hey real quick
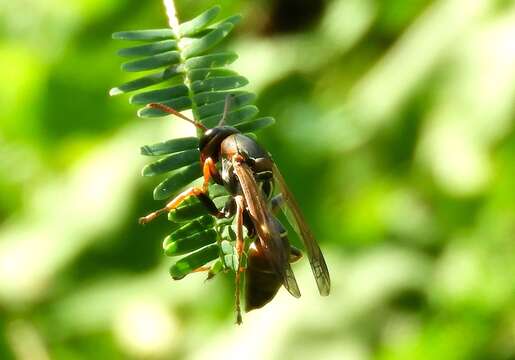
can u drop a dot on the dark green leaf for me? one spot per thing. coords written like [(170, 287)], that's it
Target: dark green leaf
[(220, 201), (144, 35), (191, 243), (200, 22), (203, 74), (255, 125), (179, 104), (146, 81), (190, 209), (153, 62), (177, 181), (193, 261), (210, 97), (233, 117), (211, 60), (217, 108), (203, 223), (149, 49), (170, 146), (230, 256), (216, 190), (219, 83), (160, 95), (234, 20), (199, 46), (171, 162)]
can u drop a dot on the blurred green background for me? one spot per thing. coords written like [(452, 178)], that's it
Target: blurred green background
[(394, 128)]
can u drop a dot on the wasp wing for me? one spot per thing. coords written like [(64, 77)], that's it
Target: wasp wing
[(296, 219), (270, 241)]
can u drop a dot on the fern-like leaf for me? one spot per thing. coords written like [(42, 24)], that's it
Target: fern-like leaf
[(187, 73)]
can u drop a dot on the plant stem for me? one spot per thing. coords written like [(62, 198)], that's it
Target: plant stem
[(171, 13)]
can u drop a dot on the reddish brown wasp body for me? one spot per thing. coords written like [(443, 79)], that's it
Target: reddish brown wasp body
[(248, 173)]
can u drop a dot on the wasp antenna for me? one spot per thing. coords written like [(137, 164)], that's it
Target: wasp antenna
[(227, 106), (172, 111)]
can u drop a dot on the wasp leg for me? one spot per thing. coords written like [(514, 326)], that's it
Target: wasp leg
[(210, 171), (201, 193), (202, 269), (239, 249)]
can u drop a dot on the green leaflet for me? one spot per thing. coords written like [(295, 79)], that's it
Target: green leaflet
[(189, 210), (192, 209), (170, 146), (179, 104), (145, 81), (193, 227), (203, 74), (160, 95), (149, 49), (210, 97), (193, 242), (255, 125), (230, 258), (219, 83), (208, 41), (144, 35), (153, 62), (177, 181), (234, 117), (217, 108), (193, 261), (211, 60), (200, 22), (171, 162)]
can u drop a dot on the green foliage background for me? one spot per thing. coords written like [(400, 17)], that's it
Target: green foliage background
[(394, 128)]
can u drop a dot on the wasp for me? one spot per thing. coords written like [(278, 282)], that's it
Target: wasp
[(249, 174)]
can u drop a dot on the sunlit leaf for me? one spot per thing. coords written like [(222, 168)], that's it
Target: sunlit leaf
[(146, 81), (211, 60), (149, 49), (203, 74), (193, 227), (170, 146), (144, 35), (191, 243), (230, 256), (255, 125), (208, 41), (171, 162), (179, 179), (219, 83), (200, 22), (210, 97), (234, 117), (217, 108), (160, 95), (193, 261), (153, 62)]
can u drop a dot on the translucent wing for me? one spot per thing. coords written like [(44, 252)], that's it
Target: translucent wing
[(296, 219), (270, 241)]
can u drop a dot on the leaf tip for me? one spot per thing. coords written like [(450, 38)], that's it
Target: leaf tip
[(147, 171), (115, 91)]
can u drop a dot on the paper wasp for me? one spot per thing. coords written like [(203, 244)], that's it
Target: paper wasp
[(248, 173)]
